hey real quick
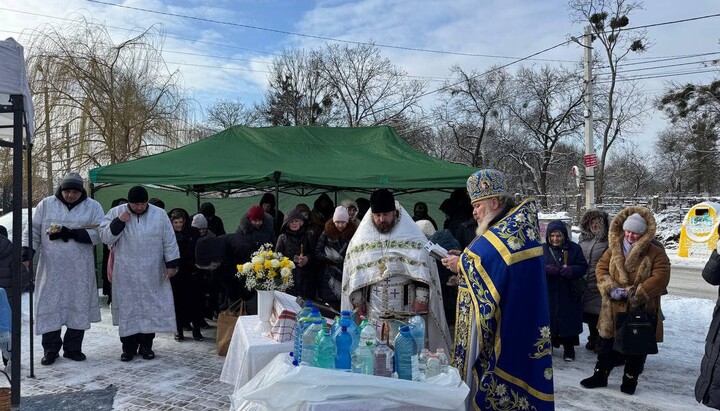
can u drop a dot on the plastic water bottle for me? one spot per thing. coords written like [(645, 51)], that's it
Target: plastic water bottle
[(367, 336), (306, 322), (422, 358), (433, 367), (324, 350), (343, 346), (308, 342), (297, 332), (363, 359), (418, 332), (442, 359), (383, 360), (406, 357), (347, 320)]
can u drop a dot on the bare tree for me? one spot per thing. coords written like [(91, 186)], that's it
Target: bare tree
[(671, 150), (620, 105), (369, 89), (108, 102), (548, 105), (470, 105), (298, 93), (224, 113), (628, 172)]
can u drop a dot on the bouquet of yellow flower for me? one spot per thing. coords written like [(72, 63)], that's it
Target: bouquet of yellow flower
[(267, 270)]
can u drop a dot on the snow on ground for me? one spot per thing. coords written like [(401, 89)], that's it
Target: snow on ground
[(669, 379)]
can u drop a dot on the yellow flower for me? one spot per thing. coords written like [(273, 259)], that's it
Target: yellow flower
[(267, 264), (257, 267), (272, 273)]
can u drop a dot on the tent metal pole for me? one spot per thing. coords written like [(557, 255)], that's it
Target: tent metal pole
[(31, 267), (17, 108), (276, 176)]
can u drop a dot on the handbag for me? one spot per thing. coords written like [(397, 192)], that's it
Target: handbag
[(635, 332), (226, 325)]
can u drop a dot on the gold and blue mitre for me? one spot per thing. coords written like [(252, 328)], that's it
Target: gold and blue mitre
[(486, 183)]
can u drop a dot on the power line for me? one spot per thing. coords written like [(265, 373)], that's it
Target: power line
[(313, 36)]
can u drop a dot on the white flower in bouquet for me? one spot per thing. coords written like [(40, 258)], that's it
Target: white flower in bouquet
[(267, 270)]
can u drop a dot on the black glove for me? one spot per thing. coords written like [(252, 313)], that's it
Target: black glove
[(65, 234)]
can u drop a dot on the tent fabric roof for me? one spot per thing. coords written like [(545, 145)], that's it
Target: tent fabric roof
[(247, 157)]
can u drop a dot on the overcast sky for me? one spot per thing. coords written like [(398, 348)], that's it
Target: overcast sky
[(228, 57)]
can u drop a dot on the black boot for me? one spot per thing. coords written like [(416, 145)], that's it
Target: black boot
[(629, 384), (196, 333), (598, 379)]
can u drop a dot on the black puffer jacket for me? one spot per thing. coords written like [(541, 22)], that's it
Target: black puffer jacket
[(707, 388), (5, 262)]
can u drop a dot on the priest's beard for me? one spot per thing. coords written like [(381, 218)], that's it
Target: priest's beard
[(483, 225), (384, 228)]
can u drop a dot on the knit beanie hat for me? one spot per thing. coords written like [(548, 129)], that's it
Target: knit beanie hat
[(636, 224), (426, 227), (3, 231), (382, 201), (72, 181), (137, 194), (256, 213), (341, 214), (199, 221)]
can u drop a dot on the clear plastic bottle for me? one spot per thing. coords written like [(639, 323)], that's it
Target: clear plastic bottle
[(406, 357), (368, 336), (363, 359), (308, 342), (443, 359), (325, 350), (422, 359), (433, 367), (346, 319), (297, 331), (418, 331), (383, 360), (343, 346), (304, 323)]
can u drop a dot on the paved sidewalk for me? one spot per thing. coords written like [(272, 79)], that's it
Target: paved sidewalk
[(183, 376)]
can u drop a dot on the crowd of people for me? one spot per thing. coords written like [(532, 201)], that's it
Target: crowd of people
[(510, 294)]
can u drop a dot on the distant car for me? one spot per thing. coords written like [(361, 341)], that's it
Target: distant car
[(6, 220)]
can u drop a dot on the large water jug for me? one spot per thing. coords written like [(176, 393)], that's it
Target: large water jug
[(363, 359), (383, 360), (406, 355), (346, 319), (308, 343), (304, 323), (325, 350), (343, 344), (418, 331), (297, 332)]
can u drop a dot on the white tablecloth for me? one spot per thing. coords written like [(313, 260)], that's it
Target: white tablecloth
[(280, 385), (249, 352)]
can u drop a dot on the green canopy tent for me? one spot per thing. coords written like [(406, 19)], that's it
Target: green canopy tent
[(298, 160)]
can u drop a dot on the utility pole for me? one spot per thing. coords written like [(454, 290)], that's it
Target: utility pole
[(590, 159)]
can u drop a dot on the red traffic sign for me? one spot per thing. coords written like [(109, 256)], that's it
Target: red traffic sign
[(590, 160)]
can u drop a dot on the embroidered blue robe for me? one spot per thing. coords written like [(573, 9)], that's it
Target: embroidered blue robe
[(502, 329)]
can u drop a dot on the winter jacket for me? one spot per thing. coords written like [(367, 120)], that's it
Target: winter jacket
[(707, 387), (646, 269), (330, 268), (293, 243), (215, 223), (565, 308), (5, 263), (593, 249)]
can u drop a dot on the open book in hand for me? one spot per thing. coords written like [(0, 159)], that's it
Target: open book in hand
[(436, 251)]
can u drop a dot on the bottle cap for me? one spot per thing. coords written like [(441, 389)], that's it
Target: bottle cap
[(308, 304)]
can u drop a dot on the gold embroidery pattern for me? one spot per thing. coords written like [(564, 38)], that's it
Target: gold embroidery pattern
[(521, 228), (499, 397), (543, 344), (463, 327), (386, 245)]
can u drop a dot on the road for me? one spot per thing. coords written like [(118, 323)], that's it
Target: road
[(687, 281)]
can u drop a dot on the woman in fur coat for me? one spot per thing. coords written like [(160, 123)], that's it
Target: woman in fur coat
[(634, 271), (593, 241)]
